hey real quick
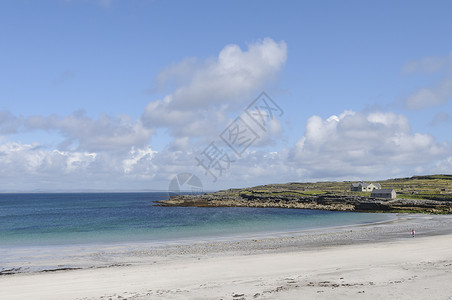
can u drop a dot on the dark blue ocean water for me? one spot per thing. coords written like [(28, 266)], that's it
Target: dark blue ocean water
[(78, 218)]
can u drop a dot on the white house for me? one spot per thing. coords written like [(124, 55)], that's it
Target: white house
[(364, 187), (385, 193)]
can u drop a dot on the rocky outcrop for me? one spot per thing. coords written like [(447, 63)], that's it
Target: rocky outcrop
[(326, 201)]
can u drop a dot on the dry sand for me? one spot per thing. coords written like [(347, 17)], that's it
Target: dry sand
[(400, 267)]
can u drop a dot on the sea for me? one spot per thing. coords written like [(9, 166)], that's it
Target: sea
[(45, 219)]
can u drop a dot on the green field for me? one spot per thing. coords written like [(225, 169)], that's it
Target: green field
[(430, 187)]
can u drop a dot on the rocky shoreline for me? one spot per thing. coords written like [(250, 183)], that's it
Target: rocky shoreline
[(324, 202), (418, 194)]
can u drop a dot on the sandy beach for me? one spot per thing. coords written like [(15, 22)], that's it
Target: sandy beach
[(374, 261)]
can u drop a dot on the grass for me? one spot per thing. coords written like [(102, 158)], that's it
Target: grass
[(416, 187), (431, 187)]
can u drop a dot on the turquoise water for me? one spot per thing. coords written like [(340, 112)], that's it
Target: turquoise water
[(83, 218)]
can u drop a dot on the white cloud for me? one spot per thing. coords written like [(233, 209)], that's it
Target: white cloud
[(100, 152), (139, 159), (357, 144), (348, 146), (104, 134), (32, 166), (114, 152), (233, 76), (351, 145), (81, 132), (16, 158), (204, 92)]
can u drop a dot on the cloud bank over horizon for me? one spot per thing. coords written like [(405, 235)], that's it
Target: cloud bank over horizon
[(204, 96), (349, 146)]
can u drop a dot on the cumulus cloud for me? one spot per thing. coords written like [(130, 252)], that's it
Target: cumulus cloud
[(230, 77), (205, 96), (93, 153), (28, 166), (139, 160), (201, 122), (18, 158), (104, 134), (81, 132), (350, 145), (354, 144), (205, 91)]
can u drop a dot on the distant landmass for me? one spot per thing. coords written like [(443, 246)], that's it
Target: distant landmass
[(417, 194)]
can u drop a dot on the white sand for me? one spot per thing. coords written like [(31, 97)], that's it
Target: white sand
[(419, 268)]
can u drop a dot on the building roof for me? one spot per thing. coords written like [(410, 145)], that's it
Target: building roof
[(364, 184)]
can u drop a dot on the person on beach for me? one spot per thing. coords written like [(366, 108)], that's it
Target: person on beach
[(413, 233)]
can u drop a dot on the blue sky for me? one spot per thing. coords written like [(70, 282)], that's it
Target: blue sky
[(125, 95)]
